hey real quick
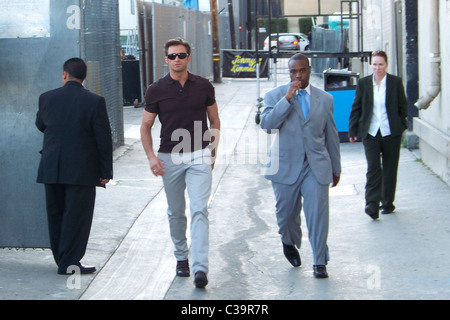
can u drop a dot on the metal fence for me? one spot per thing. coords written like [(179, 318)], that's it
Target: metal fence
[(323, 41), (100, 48), (159, 22), (330, 40)]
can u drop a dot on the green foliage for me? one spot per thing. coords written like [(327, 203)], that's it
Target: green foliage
[(305, 25), (282, 24)]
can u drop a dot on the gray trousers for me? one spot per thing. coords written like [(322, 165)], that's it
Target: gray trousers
[(315, 208), (191, 172)]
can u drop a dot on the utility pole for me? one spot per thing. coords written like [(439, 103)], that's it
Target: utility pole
[(215, 41), (231, 17)]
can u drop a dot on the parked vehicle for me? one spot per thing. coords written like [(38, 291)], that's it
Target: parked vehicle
[(287, 42)]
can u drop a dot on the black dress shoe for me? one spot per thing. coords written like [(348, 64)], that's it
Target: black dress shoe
[(372, 211), (200, 280), (87, 269), (78, 269), (320, 271), (291, 253), (387, 210), (183, 268)]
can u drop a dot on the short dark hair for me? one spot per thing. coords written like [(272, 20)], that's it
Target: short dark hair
[(76, 68), (379, 53), (299, 56), (177, 42)]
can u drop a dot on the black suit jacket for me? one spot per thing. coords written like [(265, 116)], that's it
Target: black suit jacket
[(77, 146), (362, 108)]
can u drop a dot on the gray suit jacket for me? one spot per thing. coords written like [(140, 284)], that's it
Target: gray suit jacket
[(315, 136)]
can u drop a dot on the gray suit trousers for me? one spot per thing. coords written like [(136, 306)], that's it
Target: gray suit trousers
[(315, 208)]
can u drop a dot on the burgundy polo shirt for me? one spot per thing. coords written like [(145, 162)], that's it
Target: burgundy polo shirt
[(181, 108)]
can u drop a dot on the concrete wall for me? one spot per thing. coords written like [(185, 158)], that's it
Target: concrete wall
[(28, 67), (433, 124), (308, 7), (30, 64)]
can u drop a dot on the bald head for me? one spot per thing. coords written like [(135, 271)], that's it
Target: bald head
[(299, 56), (299, 69)]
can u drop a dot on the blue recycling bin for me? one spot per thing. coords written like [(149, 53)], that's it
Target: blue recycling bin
[(342, 86)]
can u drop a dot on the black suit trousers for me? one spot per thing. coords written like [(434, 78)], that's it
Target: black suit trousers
[(381, 171), (70, 210)]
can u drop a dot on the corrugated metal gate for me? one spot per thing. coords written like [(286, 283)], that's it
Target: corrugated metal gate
[(158, 23)]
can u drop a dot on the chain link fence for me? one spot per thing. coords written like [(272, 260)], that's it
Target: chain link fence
[(100, 48)]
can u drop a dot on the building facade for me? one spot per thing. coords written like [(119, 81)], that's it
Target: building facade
[(432, 125)]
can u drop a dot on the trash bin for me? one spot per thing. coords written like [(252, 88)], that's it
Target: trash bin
[(341, 84), (131, 82)]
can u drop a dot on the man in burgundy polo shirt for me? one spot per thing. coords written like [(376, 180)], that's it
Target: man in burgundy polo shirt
[(184, 103)]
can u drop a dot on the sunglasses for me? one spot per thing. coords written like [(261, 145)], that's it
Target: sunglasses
[(173, 56)]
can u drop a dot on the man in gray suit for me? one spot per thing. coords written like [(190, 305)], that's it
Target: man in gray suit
[(307, 157)]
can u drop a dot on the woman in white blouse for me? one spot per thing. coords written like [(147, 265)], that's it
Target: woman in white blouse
[(379, 117)]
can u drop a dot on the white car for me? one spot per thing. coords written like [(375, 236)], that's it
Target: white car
[(287, 42)]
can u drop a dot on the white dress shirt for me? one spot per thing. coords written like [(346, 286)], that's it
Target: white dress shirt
[(380, 120), (308, 89)]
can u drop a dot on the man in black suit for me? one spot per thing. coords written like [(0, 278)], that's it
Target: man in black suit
[(378, 116), (75, 158)]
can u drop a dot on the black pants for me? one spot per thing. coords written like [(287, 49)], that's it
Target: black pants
[(381, 171), (70, 209)]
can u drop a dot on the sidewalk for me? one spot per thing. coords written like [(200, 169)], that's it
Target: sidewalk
[(401, 256)]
